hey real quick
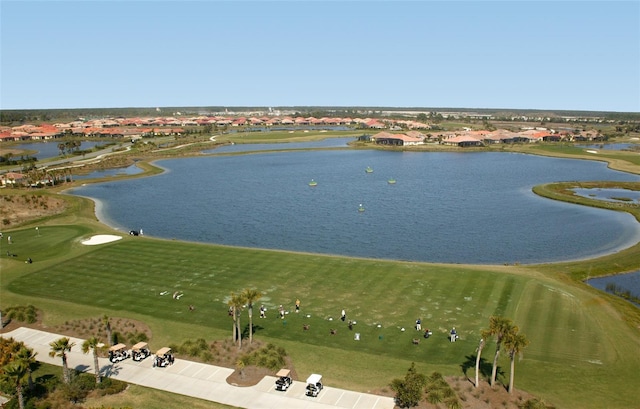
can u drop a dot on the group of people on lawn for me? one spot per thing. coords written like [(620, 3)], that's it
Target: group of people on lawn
[(453, 335)]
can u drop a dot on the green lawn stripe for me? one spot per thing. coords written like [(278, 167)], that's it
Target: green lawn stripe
[(125, 279), (505, 297)]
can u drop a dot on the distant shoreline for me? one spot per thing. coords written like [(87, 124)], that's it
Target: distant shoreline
[(102, 216)]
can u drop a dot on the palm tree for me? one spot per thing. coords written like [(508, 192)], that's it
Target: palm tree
[(93, 344), (60, 348), (514, 343), (250, 295), (498, 326), (107, 327), (16, 373), (484, 334), (236, 303), (28, 357)]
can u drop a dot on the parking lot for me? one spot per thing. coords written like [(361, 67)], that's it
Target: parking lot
[(202, 381)]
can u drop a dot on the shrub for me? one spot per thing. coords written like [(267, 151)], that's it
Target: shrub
[(409, 390), (28, 314), (535, 403), (110, 386)]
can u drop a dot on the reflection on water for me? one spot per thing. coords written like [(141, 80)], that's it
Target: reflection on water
[(611, 146), (609, 195), (46, 150), (624, 282), (252, 147), (444, 207), (131, 170)]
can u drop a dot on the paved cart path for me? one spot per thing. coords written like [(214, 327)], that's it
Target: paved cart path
[(199, 380)]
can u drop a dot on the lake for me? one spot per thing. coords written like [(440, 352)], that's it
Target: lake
[(46, 150), (467, 207), (624, 282)]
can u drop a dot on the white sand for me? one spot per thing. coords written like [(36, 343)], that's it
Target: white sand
[(101, 239)]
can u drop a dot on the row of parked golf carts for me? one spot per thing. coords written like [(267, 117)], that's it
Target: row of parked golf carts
[(140, 352), (314, 382)]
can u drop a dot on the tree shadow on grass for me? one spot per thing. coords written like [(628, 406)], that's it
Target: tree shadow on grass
[(485, 367), (245, 331)]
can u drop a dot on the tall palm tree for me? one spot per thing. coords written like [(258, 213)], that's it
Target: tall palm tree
[(107, 328), (484, 334), (16, 373), (498, 327), (514, 343), (93, 344), (60, 348), (251, 296), (28, 357), (232, 313), (236, 302)]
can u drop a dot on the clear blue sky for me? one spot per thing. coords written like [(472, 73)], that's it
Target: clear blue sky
[(555, 55)]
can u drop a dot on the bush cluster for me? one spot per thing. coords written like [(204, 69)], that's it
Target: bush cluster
[(270, 357), (50, 392), (198, 348), (438, 390), (28, 314)]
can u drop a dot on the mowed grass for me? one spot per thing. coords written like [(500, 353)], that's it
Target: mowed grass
[(570, 328)]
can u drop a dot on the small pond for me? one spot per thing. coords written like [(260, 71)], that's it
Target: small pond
[(620, 283), (46, 150), (610, 146), (106, 173), (610, 195)]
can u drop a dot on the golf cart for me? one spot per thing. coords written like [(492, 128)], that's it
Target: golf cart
[(140, 351), (163, 358), (314, 385), (284, 380), (118, 353)]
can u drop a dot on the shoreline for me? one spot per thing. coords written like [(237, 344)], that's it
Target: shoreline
[(102, 216)]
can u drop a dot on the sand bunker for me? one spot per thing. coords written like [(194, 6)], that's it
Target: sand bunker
[(101, 239)]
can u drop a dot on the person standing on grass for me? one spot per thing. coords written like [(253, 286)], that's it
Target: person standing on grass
[(418, 325), (297, 305), (343, 315)]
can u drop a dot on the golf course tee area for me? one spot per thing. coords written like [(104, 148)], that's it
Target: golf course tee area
[(583, 351)]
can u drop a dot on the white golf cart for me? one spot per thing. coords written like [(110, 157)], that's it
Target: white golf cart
[(284, 380), (314, 385), (140, 351), (163, 358), (118, 353)]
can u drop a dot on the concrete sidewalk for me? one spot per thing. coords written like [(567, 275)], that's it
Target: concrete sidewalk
[(199, 380)]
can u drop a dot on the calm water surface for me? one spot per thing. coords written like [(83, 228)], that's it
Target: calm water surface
[(611, 146), (252, 147), (46, 150), (445, 207), (609, 195), (627, 282), (129, 170)]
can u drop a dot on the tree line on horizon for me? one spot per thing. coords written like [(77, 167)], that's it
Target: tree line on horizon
[(23, 116)]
